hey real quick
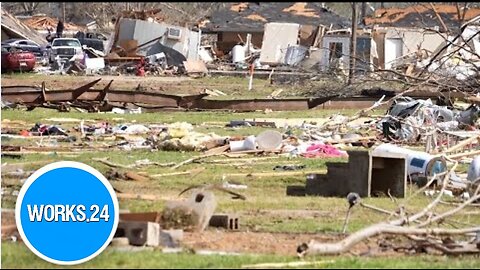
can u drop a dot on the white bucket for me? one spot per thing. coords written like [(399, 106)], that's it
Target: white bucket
[(417, 162)]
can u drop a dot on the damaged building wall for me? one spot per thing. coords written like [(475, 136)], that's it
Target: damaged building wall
[(418, 27), (379, 39), (336, 52), (251, 17), (471, 34), (226, 40), (364, 54), (278, 37), (180, 39), (334, 49), (393, 43)]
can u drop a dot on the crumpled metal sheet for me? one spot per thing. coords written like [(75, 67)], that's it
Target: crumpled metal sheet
[(408, 117)]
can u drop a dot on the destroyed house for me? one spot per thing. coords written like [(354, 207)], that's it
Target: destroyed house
[(42, 23), (149, 38), (14, 28), (335, 52), (234, 22), (402, 33), (425, 15)]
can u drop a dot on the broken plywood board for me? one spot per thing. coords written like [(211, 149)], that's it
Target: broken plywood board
[(217, 150), (195, 67), (148, 197), (192, 172), (283, 122), (276, 39), (68, 120), (129, 46), (275, 174)]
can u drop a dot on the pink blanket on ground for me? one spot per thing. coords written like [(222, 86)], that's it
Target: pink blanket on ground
[(323, 150)]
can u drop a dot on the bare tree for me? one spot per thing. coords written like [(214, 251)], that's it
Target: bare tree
[(26, 8)]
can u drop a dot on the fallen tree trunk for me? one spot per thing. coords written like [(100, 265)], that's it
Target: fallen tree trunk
[(400, 226), (382, 228)]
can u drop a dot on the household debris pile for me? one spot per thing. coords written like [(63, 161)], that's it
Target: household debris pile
[(415, 143), (373, 157)]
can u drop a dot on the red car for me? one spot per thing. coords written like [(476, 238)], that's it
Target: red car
[(17, 60)]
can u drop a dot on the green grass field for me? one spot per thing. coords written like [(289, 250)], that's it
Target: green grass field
[(264, 195), (18, 256)]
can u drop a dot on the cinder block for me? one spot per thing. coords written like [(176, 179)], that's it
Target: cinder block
[(360, 173), (392, 176), (319, 185), (296, 191), (337, 165), (171, 238), (227, 221), (139, 233), (358, 157), (364, 174)]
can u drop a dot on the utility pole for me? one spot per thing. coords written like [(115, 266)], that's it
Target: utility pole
[(63, 11), (353, 43), (363, 11)]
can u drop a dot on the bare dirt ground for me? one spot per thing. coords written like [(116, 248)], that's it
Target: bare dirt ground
[(257, 242)]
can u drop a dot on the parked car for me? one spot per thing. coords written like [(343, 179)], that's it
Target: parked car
[(17, 60), (65, 48), (25, 45)]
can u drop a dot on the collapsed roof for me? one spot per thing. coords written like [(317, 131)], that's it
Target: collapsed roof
[(44, 23), (251, 17), (14, 28), (423, 15)]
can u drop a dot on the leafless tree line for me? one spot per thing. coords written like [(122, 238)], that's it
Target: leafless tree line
[(104, 12)]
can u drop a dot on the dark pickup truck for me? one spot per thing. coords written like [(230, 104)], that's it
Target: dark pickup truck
[(92, 40)]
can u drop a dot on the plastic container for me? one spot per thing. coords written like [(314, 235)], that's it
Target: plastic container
[(474, 169), (418, 162), (243, 145), (238, 54), (250, 143), (269, 140), (236, 145)]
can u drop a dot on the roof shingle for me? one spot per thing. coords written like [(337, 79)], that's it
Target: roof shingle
[(248, 16)]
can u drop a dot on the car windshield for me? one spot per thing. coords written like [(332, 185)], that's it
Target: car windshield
[(66, 42)]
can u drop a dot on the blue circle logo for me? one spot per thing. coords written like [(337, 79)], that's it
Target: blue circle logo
[(67, 213)]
